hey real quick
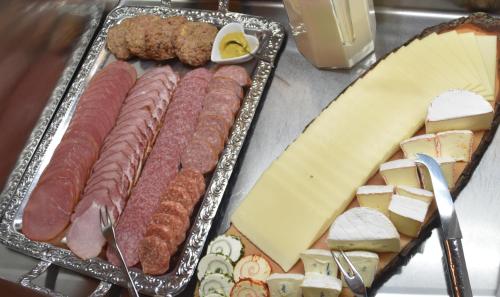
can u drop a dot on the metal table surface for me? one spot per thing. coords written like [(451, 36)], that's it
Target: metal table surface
[(297, 94)]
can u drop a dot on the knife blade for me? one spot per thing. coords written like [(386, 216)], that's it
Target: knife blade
[(452, 235)]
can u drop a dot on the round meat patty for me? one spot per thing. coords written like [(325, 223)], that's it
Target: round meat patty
[(160, 39), (136, 37), (154, 255), (193, 43), (116, 41)]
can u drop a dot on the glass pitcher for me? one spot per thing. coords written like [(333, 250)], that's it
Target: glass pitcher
[(332, 33)]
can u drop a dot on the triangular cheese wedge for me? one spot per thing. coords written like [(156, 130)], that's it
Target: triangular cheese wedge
[(458, 110), (362, 228)]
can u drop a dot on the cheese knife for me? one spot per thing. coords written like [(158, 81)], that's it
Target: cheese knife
[(452, 236)]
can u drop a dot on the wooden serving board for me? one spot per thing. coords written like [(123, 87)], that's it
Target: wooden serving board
[(478, 23)]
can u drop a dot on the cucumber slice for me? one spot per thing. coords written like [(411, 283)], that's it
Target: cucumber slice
[(228, 245), (214, 263), (248, 287), (253, 267), (216, 283)]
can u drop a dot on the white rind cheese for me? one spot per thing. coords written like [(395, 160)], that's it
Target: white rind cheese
[(447, 167), (407, 214), (365, 263), (456, 144), (362, 228), (425, 144), (458, 110), (416, 193), (318, 261), (375, 196), (400, 172), (321, 286), (285, 284)]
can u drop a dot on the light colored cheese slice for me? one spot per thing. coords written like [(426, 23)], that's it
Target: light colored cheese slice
[(447, 165), (365, 263), (488, 48), (285, 284), (458, 110), (321, 286), (375, 196), (416, 193), (400, 172), (317, 261), (456, 144), (362, 228), (425, 144), (408, 214)]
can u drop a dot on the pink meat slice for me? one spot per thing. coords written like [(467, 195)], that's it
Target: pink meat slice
[(236, 73), (161, 166), (114, 172), (50, 206)]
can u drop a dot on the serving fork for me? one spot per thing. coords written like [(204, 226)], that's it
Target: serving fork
[(351, 276), (108, 231)]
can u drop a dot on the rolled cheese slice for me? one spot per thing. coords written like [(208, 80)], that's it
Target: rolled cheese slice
[(362, 228), (319, 261), (408, 214), (375, 196), (285, 284), (321, 286), (365, 263), (458, 110), (425, 144), (400, 172), (415, 193), (456, 144)]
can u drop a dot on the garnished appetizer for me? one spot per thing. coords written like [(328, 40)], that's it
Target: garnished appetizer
[(227, 245), (250, 288), (215, 263), (215, 283), (252, 267)]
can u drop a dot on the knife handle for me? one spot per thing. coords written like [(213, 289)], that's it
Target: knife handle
[(457, 269)]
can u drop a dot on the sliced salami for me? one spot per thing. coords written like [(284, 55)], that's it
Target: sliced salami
[(155, 255), (235, 72), (199, 156), (224, 83)]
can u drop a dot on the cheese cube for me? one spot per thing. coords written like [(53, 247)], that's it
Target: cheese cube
[(456, 144), (400, 172), (321, 286), (458, 110), (365, 263), (407, 214), (374, 196), (318, 261), (416, 193), (285, 284), (447, 165), (425, 144), (362, 228)]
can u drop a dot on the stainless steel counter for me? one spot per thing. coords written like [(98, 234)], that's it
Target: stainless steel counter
[(297, 94)]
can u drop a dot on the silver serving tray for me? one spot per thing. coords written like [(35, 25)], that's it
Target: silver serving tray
[(271, 35)]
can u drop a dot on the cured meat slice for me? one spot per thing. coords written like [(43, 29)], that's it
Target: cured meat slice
[(199, 156), (177, 228), (114, 172), (48, 212), (224, 83), (163, 232), (161, 166), (236, 73), (155, 256)]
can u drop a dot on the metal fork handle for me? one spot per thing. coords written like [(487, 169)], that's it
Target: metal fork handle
[(130, 282), (459, 277)]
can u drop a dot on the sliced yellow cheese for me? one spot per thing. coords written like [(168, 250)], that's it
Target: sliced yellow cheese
[(407, 214), (415, 193), (375, 196), (488, 48), (400, 172), (456, 144), (425, 144), (447, 165)]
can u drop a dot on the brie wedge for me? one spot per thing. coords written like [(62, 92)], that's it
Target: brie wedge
[(321, 286), (365, 263), (285, 284), (447, 165), (458, 110), (374, 196), (416, 193), (318, 261), (407, 214), (400, 172), (362, 228), (456, 144), (419, 144)]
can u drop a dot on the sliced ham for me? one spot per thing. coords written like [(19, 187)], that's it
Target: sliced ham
[(121, 156), (52, 201), (162, 164)]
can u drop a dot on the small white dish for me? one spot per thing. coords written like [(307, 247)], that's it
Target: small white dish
[(253, 44)]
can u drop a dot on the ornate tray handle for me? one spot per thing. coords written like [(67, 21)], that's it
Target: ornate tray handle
[(42, 266)]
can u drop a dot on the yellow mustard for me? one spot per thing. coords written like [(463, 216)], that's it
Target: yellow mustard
[(233, 50)]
